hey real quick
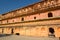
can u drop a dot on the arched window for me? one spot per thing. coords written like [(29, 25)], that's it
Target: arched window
[(22, 19), (50, 15)]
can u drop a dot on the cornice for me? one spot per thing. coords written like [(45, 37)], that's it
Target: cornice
[(21, 26)]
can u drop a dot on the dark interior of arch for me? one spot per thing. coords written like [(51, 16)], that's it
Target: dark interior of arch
[(50, 15), (51, 30)]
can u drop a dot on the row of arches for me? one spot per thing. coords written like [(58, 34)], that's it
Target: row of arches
[(51, 31)]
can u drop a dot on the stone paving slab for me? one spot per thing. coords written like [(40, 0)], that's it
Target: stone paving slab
[(17, 37)]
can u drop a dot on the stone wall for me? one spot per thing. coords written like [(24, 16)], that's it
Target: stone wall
[(37, 28), (30, 26), (38, 31), (55, 13)]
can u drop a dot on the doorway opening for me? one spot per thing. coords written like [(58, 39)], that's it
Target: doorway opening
[(51, 30), (12, 31)]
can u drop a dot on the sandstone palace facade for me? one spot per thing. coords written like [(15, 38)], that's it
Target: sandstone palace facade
[(41, 19)]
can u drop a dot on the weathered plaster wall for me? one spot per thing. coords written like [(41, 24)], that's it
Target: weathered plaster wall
[(55, 13)]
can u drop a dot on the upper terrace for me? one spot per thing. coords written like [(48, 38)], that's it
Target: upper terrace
[(39, 7)]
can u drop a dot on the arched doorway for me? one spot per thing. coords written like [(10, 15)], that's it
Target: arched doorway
[(51, 31), (12, 31)]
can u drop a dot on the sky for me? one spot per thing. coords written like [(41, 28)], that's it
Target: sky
[(9, 5)]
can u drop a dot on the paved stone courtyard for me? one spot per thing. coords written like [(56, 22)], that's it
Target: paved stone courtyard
[(17, 37)]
